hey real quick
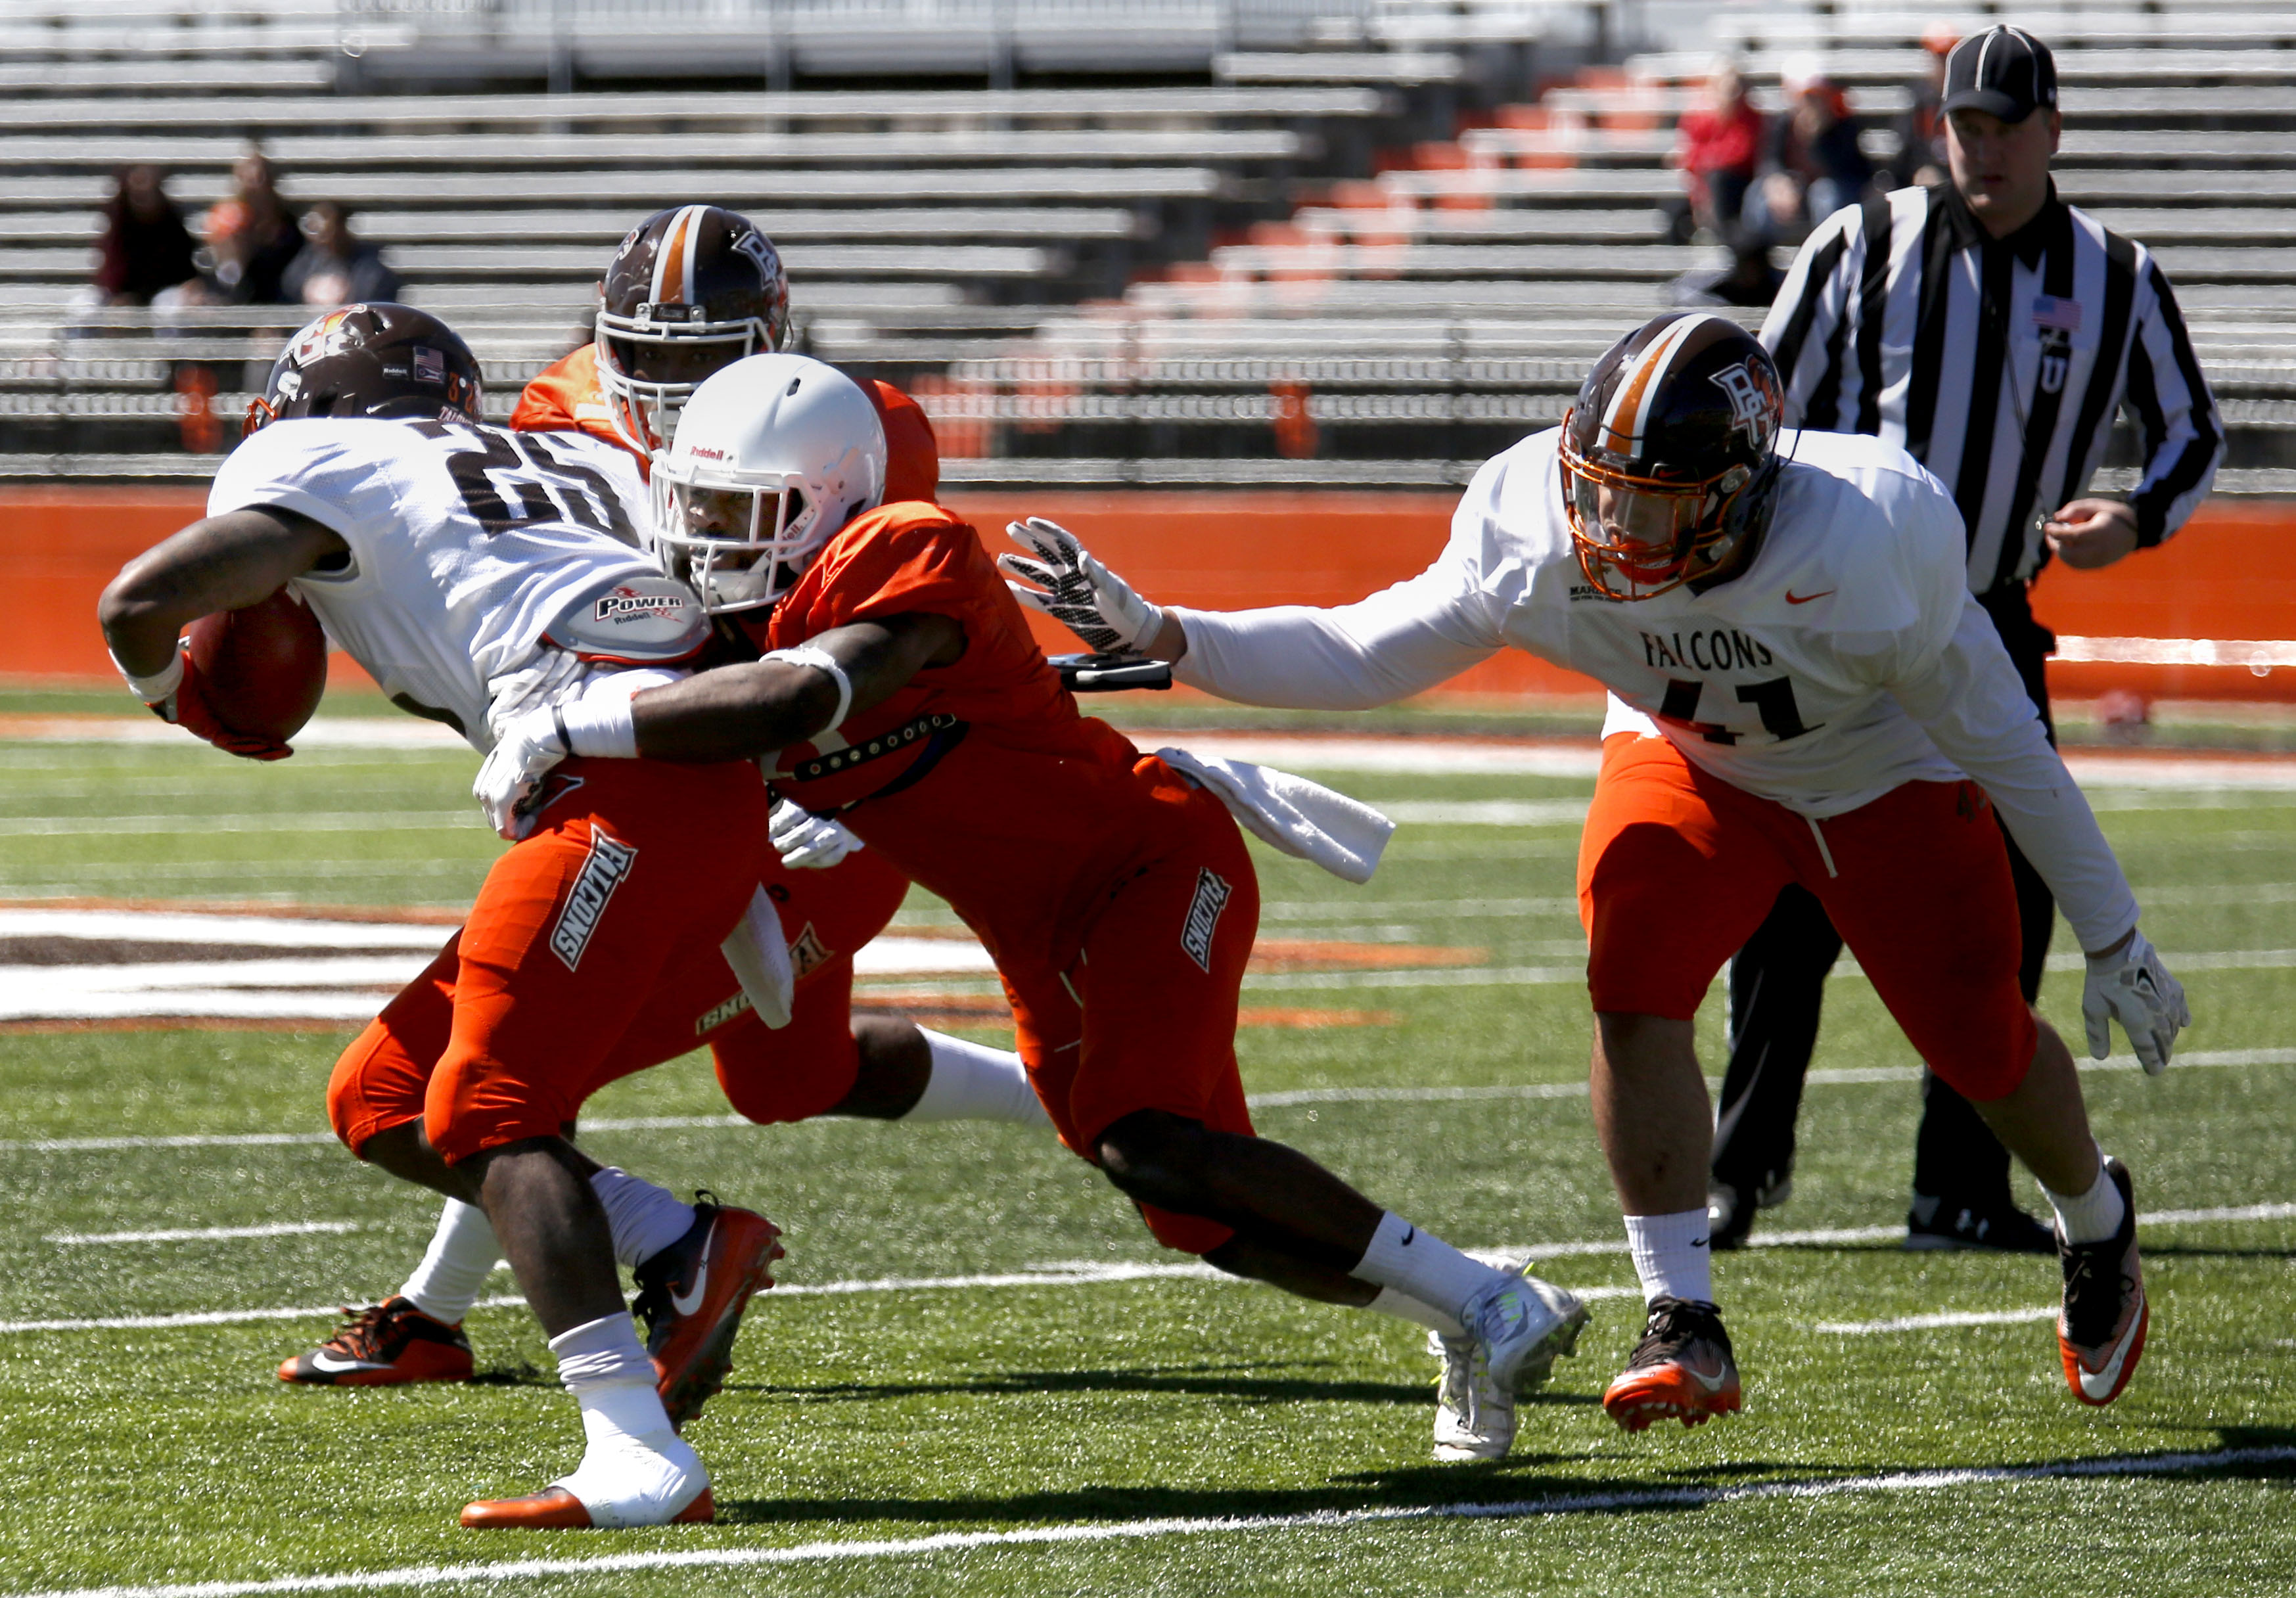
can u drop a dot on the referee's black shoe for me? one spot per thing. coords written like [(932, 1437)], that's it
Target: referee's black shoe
[(1996, 1224), (1730, 1208)]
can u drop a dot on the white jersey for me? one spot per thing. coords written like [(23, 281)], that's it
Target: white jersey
[(1849, 658), (486, 567)]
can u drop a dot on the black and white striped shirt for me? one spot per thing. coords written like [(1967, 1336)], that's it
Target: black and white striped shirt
[(1898, 312)]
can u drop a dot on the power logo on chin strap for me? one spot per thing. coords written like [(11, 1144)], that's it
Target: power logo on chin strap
[(609, 862)]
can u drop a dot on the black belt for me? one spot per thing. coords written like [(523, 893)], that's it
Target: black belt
[(931, 735)]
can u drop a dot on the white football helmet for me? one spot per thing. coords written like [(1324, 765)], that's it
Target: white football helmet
[(771, 456)]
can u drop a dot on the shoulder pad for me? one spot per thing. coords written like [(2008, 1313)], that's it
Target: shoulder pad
[(637, 622)]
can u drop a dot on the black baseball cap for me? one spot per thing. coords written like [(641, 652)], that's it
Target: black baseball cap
[(2004, 71)]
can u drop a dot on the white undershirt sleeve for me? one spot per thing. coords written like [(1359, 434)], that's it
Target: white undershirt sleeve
[(1975, 710), (1399, 642)]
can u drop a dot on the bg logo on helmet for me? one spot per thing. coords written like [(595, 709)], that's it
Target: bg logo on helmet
[(1753, 399)]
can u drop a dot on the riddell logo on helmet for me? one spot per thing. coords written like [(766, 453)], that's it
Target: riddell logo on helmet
[(703, 452)]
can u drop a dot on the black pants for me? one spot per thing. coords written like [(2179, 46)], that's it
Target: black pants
[(1777, 984)]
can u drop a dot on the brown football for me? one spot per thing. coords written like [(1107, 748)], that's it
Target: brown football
[(265, 668)]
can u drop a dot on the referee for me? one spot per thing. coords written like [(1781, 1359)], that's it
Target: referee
[(1994, 332)]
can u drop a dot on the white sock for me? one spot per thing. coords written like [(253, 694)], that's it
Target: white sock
[(1671, 1255), (1422, 1265), (2095, 1215), (972, 1082), (645, 1219), (636, 1470), (1403, 1307), (462, 1252)]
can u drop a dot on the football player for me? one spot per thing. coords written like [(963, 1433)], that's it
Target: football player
[(902, 691), (476, 573), (1802, 692), (692, 289)]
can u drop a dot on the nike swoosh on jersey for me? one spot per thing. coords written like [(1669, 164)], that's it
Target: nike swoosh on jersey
[(1802, 598), (687, 1303), (320, 1360)]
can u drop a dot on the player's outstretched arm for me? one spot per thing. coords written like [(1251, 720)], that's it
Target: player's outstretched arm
[(223, 562), (739, 712), (1970, 701), (731, 713)]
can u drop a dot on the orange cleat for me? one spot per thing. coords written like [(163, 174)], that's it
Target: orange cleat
[(382, 1345), (692, 1295), (554, 1509), (1683, 1368)]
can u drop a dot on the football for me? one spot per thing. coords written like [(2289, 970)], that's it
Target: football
[(265, 668)]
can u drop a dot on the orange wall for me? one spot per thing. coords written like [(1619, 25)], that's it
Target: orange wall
[(2231, 573)]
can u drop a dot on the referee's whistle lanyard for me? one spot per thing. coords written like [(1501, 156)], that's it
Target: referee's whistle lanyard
[(1988, 310)]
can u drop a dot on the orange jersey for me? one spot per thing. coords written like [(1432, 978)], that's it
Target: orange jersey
[(979, 780), (567, 396)]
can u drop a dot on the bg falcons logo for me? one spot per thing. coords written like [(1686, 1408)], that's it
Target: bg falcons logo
[(1752, 399)]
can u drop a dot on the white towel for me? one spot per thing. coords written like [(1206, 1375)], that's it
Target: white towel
[(761, 961), (1304, 819)]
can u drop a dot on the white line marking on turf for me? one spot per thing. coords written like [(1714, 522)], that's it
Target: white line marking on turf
[(1284, 1099), (957, 1542), (285, 821), (1087, 1272), (204, 1233), (252, 931), (1926, 1322)]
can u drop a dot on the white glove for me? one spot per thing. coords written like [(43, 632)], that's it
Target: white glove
[(2134, 988), (806, 841), (510, 780), (1068, 585)]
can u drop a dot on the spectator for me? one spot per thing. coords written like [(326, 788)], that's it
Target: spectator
[(145, 246), (1811, 164), (1918, 160), (335, 266), (1751, 278), (1716, 148), (251, 237)]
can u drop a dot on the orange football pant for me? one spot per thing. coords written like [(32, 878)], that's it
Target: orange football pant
[(638, 872), (792, 1074), (1676, 868), (1145, 1020)]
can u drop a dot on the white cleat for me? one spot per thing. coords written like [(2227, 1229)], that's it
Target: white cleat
[(1516, 1329)]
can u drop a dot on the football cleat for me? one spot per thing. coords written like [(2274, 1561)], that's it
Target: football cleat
[(2101, 1330), (1730, 1218), (692, 1295), (554, 1509), (1524, 1323), (1998, 1225), (1682, 1367), (384, 1345)]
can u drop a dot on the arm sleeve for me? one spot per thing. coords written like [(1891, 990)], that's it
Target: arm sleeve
[(1806, 319), (2183, 437), (1399, 642), (1975, 710)]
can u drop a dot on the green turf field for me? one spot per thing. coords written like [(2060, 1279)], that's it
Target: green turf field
[(927, 1432)]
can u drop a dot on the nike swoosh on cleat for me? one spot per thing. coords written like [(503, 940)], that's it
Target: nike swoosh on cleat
[(687, 1303), (2099, 1384), (1802, 598), (320, 1360), (1712, 1384)]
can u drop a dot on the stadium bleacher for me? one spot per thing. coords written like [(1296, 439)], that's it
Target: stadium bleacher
[(1324, 242)]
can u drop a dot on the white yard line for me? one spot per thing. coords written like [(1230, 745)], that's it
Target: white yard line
[(1087, 1272), (284, 821), (1927, 1323), (856, 1550), (251, 932), (1284, 1099), (205, 1233)]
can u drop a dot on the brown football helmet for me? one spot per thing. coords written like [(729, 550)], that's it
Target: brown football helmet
[(692, 289)]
